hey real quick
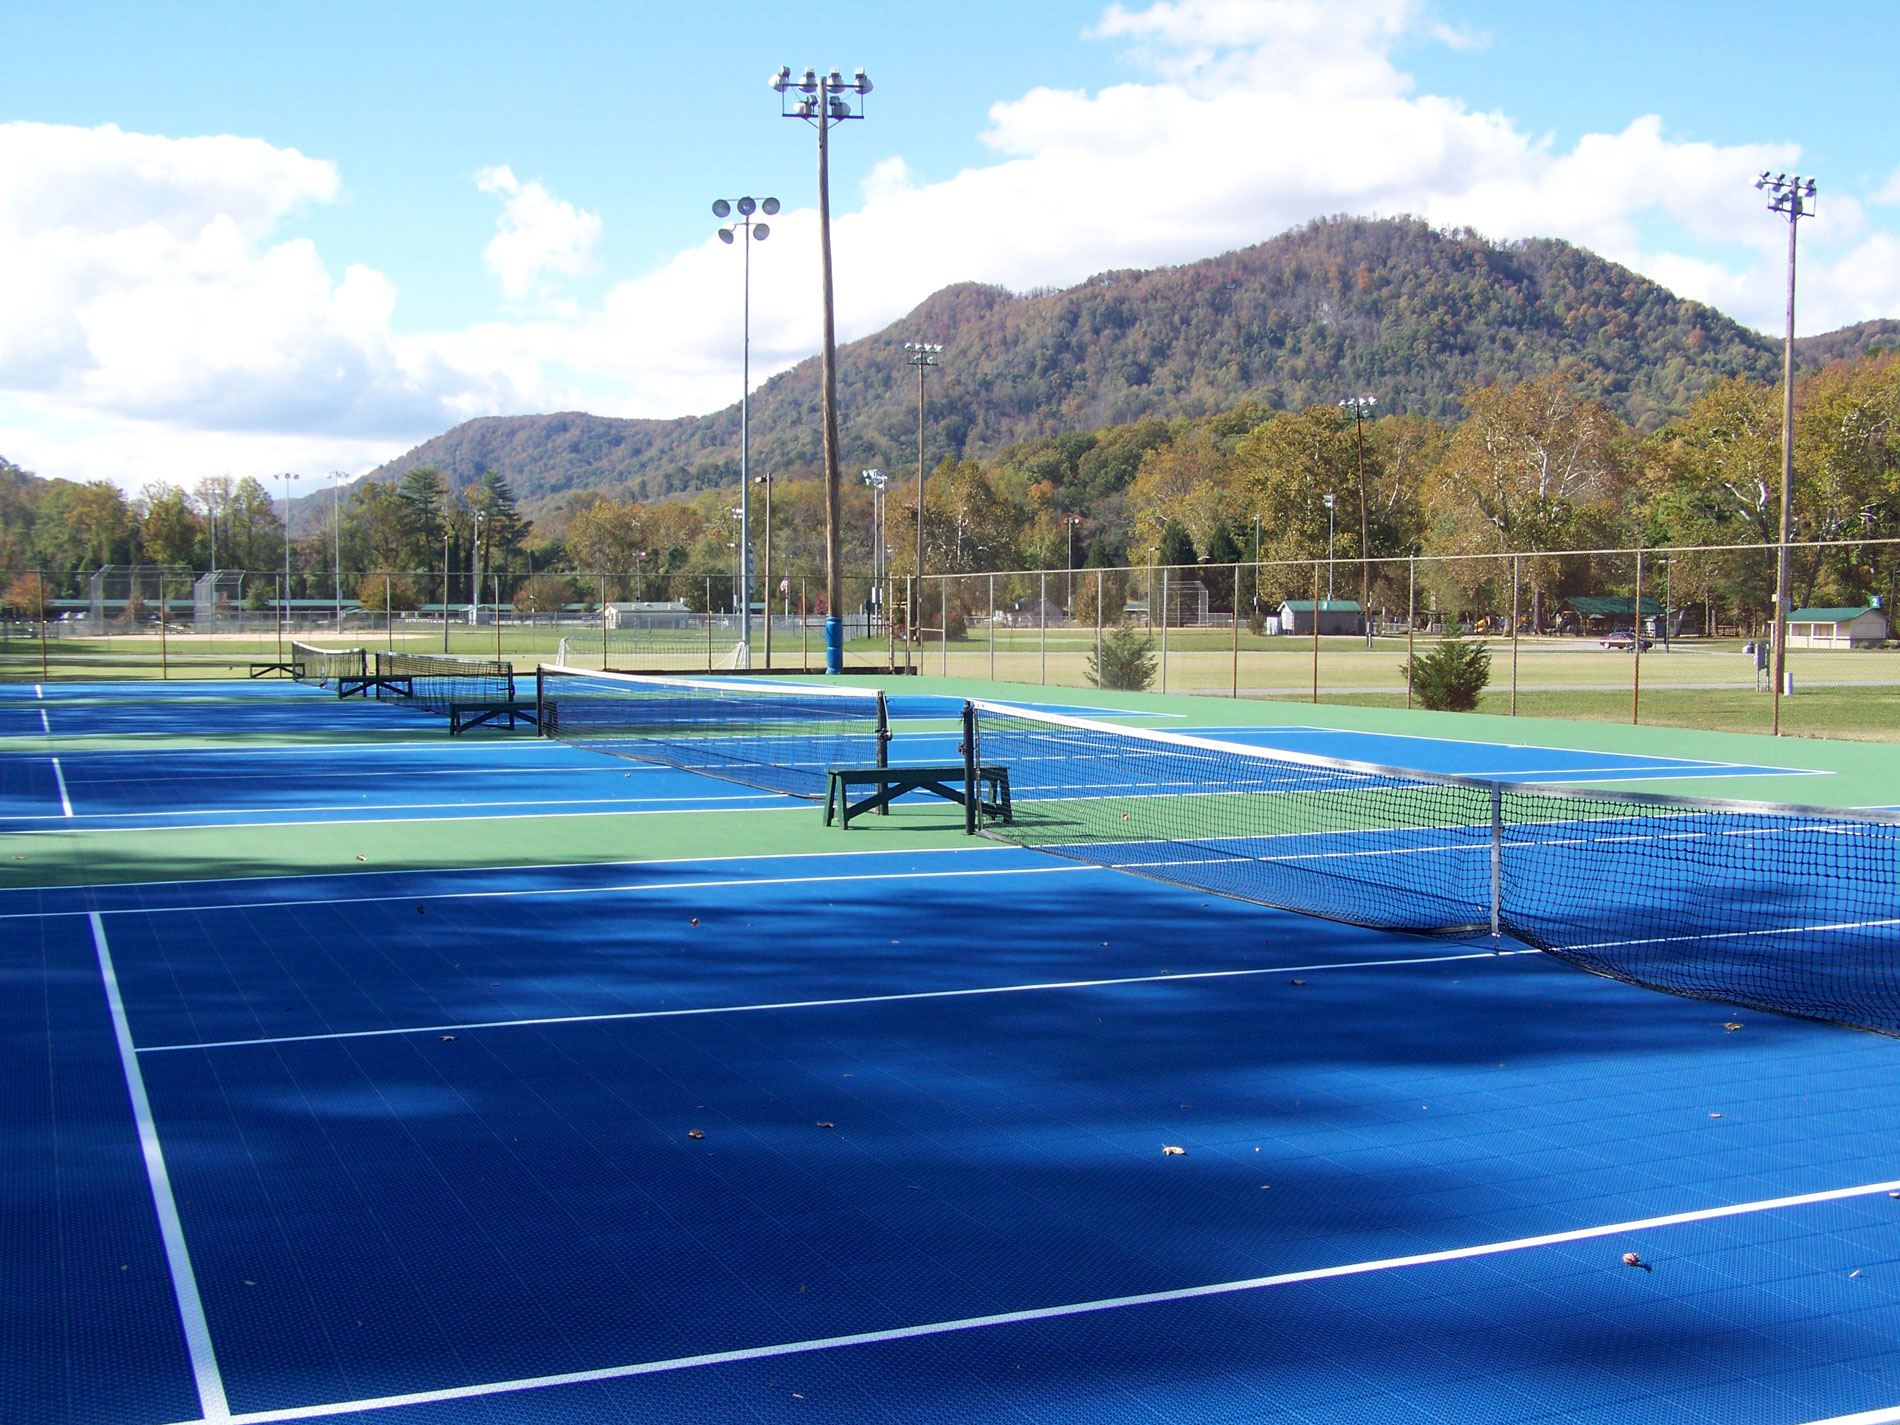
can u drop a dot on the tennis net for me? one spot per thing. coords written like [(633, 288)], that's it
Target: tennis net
[(1790, 909), (326, 667), (435, 681), (775, 736)]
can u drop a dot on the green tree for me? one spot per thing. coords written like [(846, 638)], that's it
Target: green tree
[(1176, 545), (424, 492), (1127, 660), (171, 530), (502, 527), (1450, 676)]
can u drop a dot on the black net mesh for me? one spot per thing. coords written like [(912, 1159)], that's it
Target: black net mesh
[(1789, 909), (436, 680), (324, 667), (777, 737)]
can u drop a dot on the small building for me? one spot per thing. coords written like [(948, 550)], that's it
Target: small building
[(1031, 613), (1341, 616), (1864, 627), (645, 614)]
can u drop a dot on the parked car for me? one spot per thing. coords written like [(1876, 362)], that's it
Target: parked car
[(1624, 639)]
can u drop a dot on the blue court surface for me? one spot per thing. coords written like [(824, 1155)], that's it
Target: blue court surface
[(958, 1133)]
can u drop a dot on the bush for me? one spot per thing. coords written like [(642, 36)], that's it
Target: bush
[(1450, 677), (1127, 660), (401, 594)]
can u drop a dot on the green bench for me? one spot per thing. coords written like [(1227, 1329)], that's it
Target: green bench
[(948, 782)]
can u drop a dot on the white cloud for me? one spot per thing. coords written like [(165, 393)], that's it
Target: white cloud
[(156, 321), (539, 234)]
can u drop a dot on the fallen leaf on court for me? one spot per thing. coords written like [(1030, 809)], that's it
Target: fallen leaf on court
[(1853, 1274), (1731, 1026), (695, 920), (1630, 1259), (447, 1038), (1715, 1115), (1169, 1150), (914, 1188), (827, 1125), (694, 1133), (1299, 982), (362, 858)]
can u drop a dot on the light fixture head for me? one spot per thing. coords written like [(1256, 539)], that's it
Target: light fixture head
[(746, 207), (721, 208), (769, 207), (781, 77), (725, 236), (834, 80), (862, 80), (761, 231), (808, 81)]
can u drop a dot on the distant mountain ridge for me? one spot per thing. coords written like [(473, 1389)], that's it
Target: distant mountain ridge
[(1343, 306)]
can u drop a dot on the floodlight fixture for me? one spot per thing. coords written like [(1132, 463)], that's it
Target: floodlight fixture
[(1793, 198), (1361, 409), (923, 355)]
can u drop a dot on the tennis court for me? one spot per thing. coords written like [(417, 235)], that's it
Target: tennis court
[(604, 1091)]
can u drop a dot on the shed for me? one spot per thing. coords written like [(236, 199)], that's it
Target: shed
[(1864, 627), (1335, 616)]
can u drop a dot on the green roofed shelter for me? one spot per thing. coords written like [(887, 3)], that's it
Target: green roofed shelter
[(1596, 613), (1863, 627), (1335, 616)]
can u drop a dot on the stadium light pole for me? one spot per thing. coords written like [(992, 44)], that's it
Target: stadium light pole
[(745, 232), (766, 582), (1329, 548), (336, 543), (1792, 197), (1256, 561), (876, 480), (283, 614), (923, 355), (1071, 521), (821, 101), (1361, 406)]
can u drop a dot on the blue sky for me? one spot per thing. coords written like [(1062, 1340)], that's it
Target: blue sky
[(295, 244)]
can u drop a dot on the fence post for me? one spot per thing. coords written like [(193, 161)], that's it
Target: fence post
[(992, 628), (40, 579), (943, 617), (709, 652), (1316, 630), (164, 663), (804, 626), (1514, 618), (497, 618), (1236, 623), (603, 623), (1099, 575), (1411, 620), (1042, 626), (1636, 647), (1164, 624)]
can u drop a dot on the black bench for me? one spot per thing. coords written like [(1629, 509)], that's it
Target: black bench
[(947, 782), (463, 716)]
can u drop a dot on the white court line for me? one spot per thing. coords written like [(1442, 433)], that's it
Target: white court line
[(609, 1017), (992, 848), (45, 726), (694, 810), (65, 802), (1887, 1415), (405, 806), (204, 1360), (1052, 1313), (200, 907)]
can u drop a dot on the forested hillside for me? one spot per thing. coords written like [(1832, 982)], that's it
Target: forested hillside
[(1340, 307)]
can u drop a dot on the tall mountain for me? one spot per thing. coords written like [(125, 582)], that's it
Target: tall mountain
[(1343, 306)]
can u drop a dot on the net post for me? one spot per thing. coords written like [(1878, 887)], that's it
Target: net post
[(164, 662), (970, 769), (1164, 627), (1497, 866), (540, 702), (883, 742)]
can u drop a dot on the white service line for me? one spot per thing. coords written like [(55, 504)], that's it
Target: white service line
[(839, 1002), (1080, 1308), (65, 802), (45, 726), (619, 802), (191, 1313), (695, 810), (640, 888)]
